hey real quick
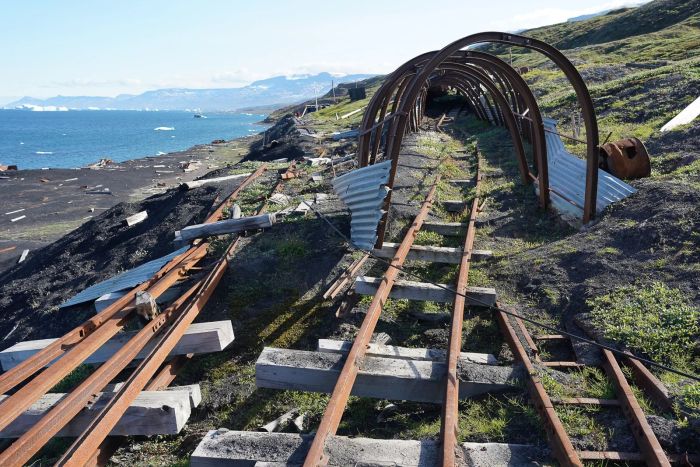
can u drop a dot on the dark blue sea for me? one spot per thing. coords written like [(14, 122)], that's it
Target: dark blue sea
[(75, 138)]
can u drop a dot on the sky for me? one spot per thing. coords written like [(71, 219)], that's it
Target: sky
[(107, 48)]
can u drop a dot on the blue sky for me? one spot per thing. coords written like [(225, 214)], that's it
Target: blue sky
[(106, 48)]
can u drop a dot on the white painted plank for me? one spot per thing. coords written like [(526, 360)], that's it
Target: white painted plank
[(24, 255), (686, 115), (199, 338), (198, 183), (137, 218)]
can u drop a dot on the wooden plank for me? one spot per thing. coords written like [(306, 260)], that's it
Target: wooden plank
[(24, 255), (550, 337), (562, 364), (199, 338), (152, 413), (454, 205), (405, 353), (198, 183), (137, 218), (227, 226), (588, 401), (433, 254), (424, 291), (445, 228), (611, 456), (379, 377), (224, 448)]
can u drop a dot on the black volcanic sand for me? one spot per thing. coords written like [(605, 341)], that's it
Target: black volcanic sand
[(30, 292), (56, 206)]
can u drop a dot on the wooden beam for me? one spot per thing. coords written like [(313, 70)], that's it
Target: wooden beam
[(224, 448), (152, 413), (379, 377), (476, 296), (445, 228), (433, 254), (405, 353), (199, 338), (226, 227)]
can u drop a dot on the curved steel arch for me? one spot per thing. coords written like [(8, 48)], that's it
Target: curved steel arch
[(411, 93), (462, 71)]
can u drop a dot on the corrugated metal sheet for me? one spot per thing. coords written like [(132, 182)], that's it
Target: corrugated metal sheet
[(125, 280), (567, 175), (363, 191), (487, 109)]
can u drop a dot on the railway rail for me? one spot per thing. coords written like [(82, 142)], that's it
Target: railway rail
[(323, 445), (36, 375)]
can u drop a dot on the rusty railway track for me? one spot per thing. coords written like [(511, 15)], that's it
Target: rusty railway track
[(93, 447), (528, 355)]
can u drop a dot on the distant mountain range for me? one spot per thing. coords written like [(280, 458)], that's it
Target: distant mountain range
[(277, 90)]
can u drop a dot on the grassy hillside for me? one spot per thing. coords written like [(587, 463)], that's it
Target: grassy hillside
[(641, 65)]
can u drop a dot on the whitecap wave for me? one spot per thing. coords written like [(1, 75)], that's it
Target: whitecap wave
[(164, 128), (160, 153), (43, 152), (39, 108)]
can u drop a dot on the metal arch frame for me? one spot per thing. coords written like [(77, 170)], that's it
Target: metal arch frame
[(470, 73), (398, 124), (536, 131)]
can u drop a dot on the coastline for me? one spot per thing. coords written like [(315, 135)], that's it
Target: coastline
[(57, 201)]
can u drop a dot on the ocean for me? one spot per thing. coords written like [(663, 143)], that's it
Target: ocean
[(75, 138)]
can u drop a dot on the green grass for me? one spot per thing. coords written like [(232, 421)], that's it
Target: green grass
[(653, 319)]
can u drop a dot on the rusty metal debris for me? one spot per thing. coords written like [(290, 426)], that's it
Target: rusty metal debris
[(627, 158)]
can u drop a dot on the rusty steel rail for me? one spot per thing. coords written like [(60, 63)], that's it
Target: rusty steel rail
[(341, 392), (88, 444), (156, 285), (21, 450), (77, 345), (162, 380), (345, 277), (39, 360), (562, 449), (17, 403), (650, 450), (646, 439), (450, 408)]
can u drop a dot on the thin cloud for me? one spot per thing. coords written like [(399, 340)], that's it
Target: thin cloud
[(547, 16)]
